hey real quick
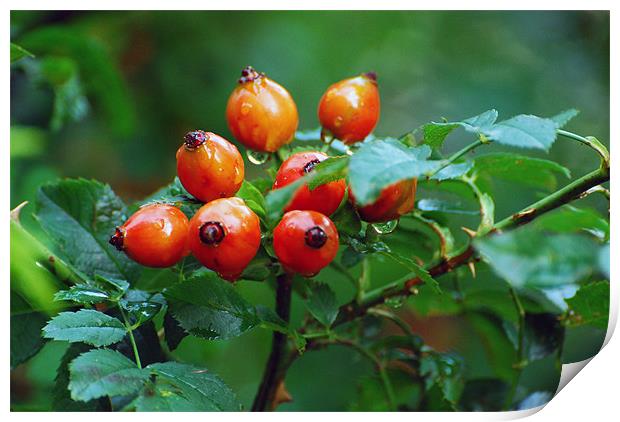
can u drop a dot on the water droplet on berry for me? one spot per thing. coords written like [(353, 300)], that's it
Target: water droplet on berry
[(338, 121), (385, 228), (257, 157)]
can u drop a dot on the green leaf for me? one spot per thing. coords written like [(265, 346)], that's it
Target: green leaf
[(80, 216), (87, 326), (61, 395), (346, 220), (517, 168), (144, 309), (260, 268), (444, 371), (182, 387), (270, 320), (498, 352), (329, 170), (523, 131), (415, 268), (564, 117), (321, 303), (174, 194), (173, 330), (25, 336), (436, 133), (115, 286), (253, 198), (570, 219), (449, 207), (18, 52), (453, 171), (104, 372), (383, 162), (527, 257), (209, 307), (590, 305), (82, 294)]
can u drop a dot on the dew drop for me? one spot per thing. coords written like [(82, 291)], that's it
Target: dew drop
[(338, 121), (257, 157), (395, 302), (385, 228)]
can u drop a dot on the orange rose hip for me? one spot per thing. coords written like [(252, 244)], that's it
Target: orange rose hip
[(261, 114), (209, 166), (349, 109), (154, 236)]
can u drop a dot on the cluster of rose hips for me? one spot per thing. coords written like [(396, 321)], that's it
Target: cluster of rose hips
[(224, 234)]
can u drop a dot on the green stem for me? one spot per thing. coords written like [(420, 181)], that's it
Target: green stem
[(456, 156), (385, 291), (487, 213), (342, 270), (556, 199), (572, 191), (132, 339), (520, 358), (591, 142), (394, 318)]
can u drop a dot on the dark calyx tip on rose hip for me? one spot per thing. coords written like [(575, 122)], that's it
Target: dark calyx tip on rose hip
[(248, 74), (195, 138), (371, 75), (316, 237), (310, 165), (117, 239), (211, 233)]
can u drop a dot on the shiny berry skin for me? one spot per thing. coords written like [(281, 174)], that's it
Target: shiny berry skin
[(305, 242), (394, 202), (154, 236), (324, 199), (349, 109), (261, 114), (209, 166), (224, 235)]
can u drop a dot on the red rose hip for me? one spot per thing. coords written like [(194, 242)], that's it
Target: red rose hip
[(324, 199), (224, 235), (305, 242), (394, 201)]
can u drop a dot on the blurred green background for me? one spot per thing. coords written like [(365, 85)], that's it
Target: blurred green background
[(109, 96)]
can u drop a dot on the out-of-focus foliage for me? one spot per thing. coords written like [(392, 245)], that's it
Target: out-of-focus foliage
[(108, 96)]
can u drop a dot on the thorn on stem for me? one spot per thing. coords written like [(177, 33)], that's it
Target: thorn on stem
[(472, 268), (471, 233)]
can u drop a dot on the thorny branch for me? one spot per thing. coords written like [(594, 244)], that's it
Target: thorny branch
[(277, 364)]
